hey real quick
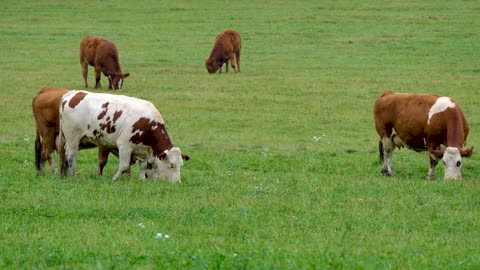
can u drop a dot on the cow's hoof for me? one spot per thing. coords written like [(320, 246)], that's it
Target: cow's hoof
[(387, 173)]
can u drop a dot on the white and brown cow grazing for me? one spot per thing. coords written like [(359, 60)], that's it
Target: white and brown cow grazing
[(103, 56), (227, 48), (45, 106), (422, 122), (131, 125)]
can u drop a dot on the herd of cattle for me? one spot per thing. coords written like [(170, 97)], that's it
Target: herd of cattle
[(133, 129)]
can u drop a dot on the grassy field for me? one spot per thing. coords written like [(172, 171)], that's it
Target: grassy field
[(284, 170)]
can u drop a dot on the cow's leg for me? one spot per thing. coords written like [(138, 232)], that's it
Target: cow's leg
[(433, 164), (48, 149), (387, 168), (102, 160), (61, 152), (142, 168), (71, 150), (38, 155), (124, 155), (110, 85), (237, 57), (84, 72), (97, 77), (232, 61)]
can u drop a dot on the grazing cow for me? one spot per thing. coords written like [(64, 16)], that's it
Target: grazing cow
[(422, 122), (131, 125), (226, 45), (45, 106), (103, 55)]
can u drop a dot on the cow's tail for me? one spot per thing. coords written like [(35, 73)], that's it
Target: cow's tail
[(61, 152), (38, 151), (380, 151)]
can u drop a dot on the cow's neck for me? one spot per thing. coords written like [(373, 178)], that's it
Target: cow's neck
[(162, 141), (455, 131), (113, 66)]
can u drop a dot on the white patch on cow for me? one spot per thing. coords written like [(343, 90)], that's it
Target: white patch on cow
[(442, 104), (120, 82)]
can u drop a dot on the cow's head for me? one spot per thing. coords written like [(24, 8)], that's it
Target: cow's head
[(168, 165), (116, 80), (212, 65), (452, 158)]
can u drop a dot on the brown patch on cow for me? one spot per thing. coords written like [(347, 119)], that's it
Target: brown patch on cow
[(102, 114), (104, 111), (98, 134), (109, 124), (117, 115), (75, 100), (151, 133), (108, 127)]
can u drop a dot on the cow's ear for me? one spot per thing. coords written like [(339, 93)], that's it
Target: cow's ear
[(185, 157), (467, 152), (162, 156), (125, 75), (437, 153)]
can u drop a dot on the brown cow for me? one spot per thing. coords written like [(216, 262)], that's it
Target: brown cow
[(422, 122), (226, 45), (45, 106), (103, 56)]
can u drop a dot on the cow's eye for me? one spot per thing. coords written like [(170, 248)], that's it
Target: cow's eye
[(459, 163)]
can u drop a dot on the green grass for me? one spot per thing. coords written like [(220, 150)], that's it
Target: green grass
[(284, 170)]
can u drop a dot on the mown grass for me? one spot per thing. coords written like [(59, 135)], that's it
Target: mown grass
[(284, 170)]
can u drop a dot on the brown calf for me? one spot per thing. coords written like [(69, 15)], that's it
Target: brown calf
[(103, 56), (45, 106), (226, 45)]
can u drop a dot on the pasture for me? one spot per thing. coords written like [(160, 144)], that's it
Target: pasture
[(284, 170)]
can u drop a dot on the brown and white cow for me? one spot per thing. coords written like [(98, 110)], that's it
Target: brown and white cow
[(45, 106), (226, 48), (102, 54), (422, 122), (131, 125)]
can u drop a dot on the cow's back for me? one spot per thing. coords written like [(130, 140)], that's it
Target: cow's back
[(45, 106), (94, 50), (103, 116), (406, 113), (228, 40)]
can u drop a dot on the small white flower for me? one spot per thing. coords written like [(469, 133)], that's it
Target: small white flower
[(159, 235), (141, 225), (167, 236)]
